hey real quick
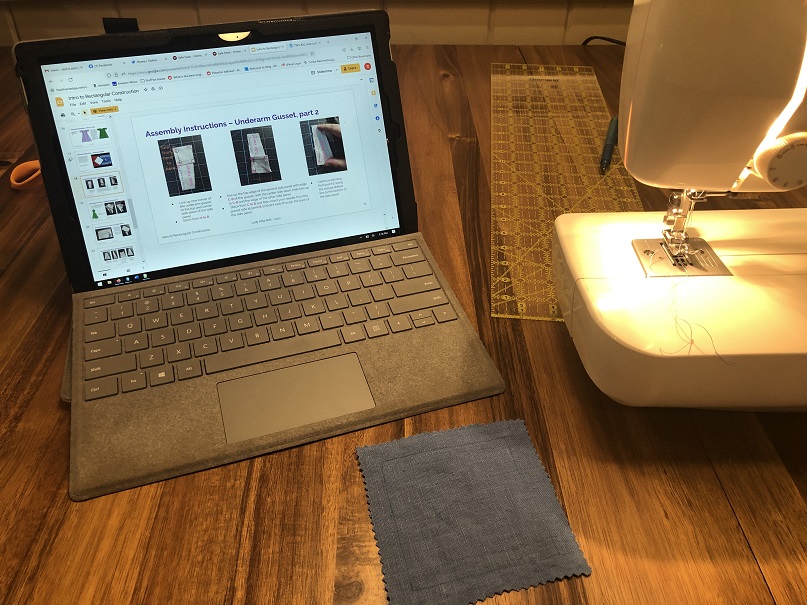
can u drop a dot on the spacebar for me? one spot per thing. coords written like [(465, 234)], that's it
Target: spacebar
[(272, 350)]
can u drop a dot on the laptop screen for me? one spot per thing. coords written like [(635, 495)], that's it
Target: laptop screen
[(179, 159)]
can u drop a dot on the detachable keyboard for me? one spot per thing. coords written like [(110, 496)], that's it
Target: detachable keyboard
[(145, 338)]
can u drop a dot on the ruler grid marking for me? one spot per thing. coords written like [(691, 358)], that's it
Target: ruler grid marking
[(547, 129)]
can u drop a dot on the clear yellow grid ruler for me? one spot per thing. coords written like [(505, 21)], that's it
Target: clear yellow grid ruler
[(548, 128)]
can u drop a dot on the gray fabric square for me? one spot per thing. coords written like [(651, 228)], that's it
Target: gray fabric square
[(464, 514)]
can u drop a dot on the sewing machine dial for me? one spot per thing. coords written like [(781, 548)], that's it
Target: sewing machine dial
[(784, 164)]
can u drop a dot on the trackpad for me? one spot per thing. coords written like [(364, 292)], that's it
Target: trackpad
[(288, 398)]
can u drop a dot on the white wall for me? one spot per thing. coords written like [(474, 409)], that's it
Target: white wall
[(412, 21)]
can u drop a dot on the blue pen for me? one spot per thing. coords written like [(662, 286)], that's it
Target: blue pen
[(608, 147)]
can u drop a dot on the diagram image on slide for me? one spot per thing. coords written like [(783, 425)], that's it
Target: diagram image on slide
[(256, 155), (322, 141), (185, 165)]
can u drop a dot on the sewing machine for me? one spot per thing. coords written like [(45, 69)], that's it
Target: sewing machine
[(711, 311)]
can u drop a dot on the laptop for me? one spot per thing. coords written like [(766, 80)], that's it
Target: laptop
[(235, 210)]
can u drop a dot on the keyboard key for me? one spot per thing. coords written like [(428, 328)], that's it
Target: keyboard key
[(162, 337), (400, 323), (417, 270), (352, 333), (331, 320), (153, 358), (181, 316), (147, 305), (269, 283), (415, 286), (213, 327), (445, 313), (155, 320), (327, 288), (206, 311), (121, 310), (265, 317), (307, 326), (347, 284), (189, 369), (232, 341), (407, 257), (102, 348), (178, 352), (382, 293), (288, 312), (222, 291), (202, 282), (161, 375), (246, 287), (271, 350), (99, 332), (338, 270), (256, 301), (133, 381), (404, 245), (197, 296), (380, 262), (392, 274), (371, 279), (361, 265), (418, 301), (104, 387), (189, 332), (360, 297), (420, 322), (138, 342), (229, 307), (315, 274), (282, 330), (132, 295), (154, 291), (204, 346), (240, 321), (109, 366), (336, 302), (95, 316), (257, 336), (376, 328), (98, 301), (353, 316), (377, 310), (178, 287), (293, 278)]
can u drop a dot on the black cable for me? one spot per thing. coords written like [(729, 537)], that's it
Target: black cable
[(606, 38)]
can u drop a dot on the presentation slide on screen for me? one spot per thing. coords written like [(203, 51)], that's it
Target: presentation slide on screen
[(218, 170)]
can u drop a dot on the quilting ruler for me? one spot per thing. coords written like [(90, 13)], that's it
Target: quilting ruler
[(548, 128)]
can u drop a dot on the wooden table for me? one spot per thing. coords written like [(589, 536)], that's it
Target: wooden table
[(669, 506)]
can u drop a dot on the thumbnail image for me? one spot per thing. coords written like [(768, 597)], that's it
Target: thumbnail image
[(107, 209), (108, 183), (90, 135), (185, 165), (125, 230), (256, 155), (101, 160), (104, 233), (322, 141)]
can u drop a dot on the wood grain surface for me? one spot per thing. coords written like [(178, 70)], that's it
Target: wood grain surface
[(669, 506)]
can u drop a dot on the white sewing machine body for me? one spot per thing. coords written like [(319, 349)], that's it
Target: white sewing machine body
[(707, 104)]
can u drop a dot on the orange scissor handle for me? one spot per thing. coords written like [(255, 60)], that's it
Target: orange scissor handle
[(26, 175)]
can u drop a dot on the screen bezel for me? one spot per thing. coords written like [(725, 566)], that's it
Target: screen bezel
[(31, 56)]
